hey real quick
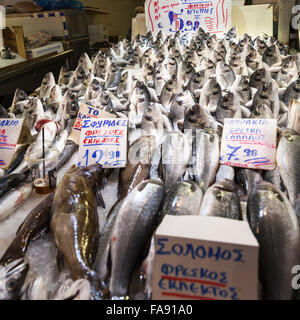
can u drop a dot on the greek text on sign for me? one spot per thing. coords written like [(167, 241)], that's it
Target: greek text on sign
[(103, 141), (249, 143), (213, 16), (205, 258), (86, 112), (10, 130)]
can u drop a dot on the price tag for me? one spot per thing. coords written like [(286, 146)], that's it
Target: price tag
[(205, 258), (10, 130), (103, 141), (249, 143), (213, 16), (86, 112)]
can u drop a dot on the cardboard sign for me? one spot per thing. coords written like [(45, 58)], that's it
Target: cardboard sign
[(10, 130), (103, 141), (213, 16), (205, 258), (86, 112), (249, 143)]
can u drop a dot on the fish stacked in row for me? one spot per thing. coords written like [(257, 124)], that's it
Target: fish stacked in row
[(176, 92)]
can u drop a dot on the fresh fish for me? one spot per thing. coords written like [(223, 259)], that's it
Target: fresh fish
[(294, 116), (13, 199), (70, 148), (181, 103), (175, 157), (140, 213), (248, 178), (228, 107), (93, 90), (34, 226), (292, 92), (259, 78), (113, 77), (287, 161), (169, 91), (211, 95), (10, 181), (85, 62), (183, 198), (11, 279), (77, 79), (125, 85), (221, 200), (272, 56), (288, 72), (196, 83), (78, 245), (205, 157), (260, 46), (148, 75), (274, 223), (241, 87), (268, 95), (224, 75), (34, 112), (262, 112), (47, 84), (64, 76)]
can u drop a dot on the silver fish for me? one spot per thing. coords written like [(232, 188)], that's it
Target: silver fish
[(274, 223), (221, 200)]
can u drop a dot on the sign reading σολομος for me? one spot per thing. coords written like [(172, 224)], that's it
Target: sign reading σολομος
[(103, 141), (213, 16), (86, 112), (249, 143), (10, 130), (205, 258)]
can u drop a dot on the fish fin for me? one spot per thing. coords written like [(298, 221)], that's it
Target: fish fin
[(99, 199)]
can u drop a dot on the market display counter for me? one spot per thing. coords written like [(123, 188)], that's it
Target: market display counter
[(29, 74)]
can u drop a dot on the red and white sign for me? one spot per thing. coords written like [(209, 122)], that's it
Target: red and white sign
[(213, 16)]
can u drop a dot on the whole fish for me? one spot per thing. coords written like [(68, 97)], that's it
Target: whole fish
[(93, 90), (169, 91), (10, 181), (287, 161), (196, 84), (272, 55), (211, 95), (241, 87), (140, 213), (34, 226), (205, 157), (85, 62), (294, 116), (259, 78), (19, 96), (274, 223), (183, 198), (225, 75), (75, 226), (228, 107), (34, 112), (64, 76), (221, 200), (13, 199), (11, 279), (47, 84), (113, 77), (175, 157), (288, 72)]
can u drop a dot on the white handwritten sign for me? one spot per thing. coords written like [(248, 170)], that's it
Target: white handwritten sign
[(205, 258), (86, 112), (103, 141), (249, 143), (213, 16), (10, 130)]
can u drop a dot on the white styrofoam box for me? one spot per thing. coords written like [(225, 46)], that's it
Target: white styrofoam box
[(50, 48)]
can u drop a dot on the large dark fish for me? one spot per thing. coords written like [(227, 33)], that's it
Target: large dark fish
[(35, 225), (75, 223), (274, 223)]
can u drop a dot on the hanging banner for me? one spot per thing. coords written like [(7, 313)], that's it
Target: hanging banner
[(212, 16)]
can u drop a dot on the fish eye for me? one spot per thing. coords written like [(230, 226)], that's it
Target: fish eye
[(11, 285)]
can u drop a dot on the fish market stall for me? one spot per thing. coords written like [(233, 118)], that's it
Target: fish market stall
[(164, 168)]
